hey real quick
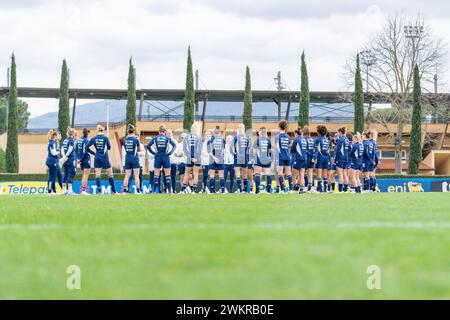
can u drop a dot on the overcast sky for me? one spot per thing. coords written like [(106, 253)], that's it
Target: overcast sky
[(97, 37)]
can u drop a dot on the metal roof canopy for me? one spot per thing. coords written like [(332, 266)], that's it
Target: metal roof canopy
[(211, 95)]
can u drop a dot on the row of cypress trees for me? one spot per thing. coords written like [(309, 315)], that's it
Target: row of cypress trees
[(12, 153)]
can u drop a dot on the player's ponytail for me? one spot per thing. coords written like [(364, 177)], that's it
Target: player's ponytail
[(70, 131), (263, 132), (283, 125), (85, 132), (241, 129), (131, 129), (374, 134), (342, 130), (306, 131), (322, 130), (195, 129), (100, 128), (359, 137), (51, 134)]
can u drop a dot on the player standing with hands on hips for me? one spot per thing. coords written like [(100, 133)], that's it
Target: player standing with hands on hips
[(282, 144), (130, 148), (68, 161), (102, 145)]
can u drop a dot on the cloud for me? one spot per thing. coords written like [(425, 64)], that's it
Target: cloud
[(294, 9)]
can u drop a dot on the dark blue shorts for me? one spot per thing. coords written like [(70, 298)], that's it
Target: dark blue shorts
[(102, 163), (190, 164), (342, 164), (181, 168), (132, 163), (241, 162), (85, 163), (163, 161), (263, 165), (51, 162), (216, 166), (310, 164), (299, 164), (323, 163), (284, 162), (368, 167)]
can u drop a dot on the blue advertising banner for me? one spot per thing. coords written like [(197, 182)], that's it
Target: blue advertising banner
[(383, 185)]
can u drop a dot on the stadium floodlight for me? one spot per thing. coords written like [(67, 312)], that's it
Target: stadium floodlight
[(368, 59), (413, 32)]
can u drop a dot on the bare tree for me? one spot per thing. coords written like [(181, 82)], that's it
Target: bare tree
[(397, 48)]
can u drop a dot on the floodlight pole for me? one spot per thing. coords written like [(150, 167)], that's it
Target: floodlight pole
[(368, 59), (107, 117), (196, 89), (280, 88)]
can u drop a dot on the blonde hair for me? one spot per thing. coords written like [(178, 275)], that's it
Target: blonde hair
[(241, 128), (70, 131), (52, 134), (195, 129), (305, 130), (100, 128), (374, 134)]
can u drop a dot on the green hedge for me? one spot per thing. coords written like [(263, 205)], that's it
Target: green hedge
[(43, 177), (2, 160)]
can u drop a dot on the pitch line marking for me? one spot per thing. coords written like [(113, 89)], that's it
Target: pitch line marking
[(266, 226)]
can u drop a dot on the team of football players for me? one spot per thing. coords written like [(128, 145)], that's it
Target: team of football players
[(249, 163)]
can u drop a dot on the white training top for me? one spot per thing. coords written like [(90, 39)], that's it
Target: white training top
[(205, 154), (141, 155), (178, 155), (150, 160), (228, 156)]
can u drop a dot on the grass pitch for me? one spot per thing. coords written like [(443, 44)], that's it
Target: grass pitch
[(226, 247)]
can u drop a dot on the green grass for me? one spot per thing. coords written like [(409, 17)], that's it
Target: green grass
[(226, 247)]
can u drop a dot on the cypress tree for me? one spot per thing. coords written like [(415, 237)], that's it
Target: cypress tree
[(12, 144), (303, 116), (415, 146), (189, 95), (64, 110), (131, 97), (359, 99), (247, 115)]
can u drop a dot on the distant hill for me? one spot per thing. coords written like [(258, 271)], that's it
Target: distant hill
[(92, 113)]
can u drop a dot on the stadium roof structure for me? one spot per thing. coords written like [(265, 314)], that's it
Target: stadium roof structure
[(277, 97), (212, 95)]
